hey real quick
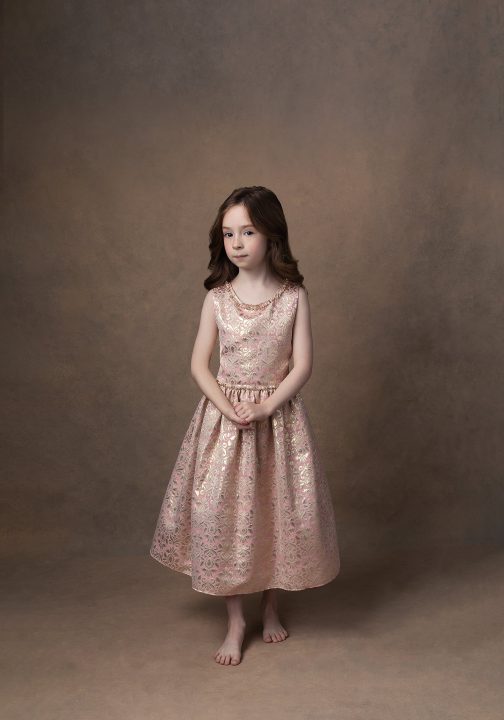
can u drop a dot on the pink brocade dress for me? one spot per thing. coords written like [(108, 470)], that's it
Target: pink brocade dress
[(248, 509)]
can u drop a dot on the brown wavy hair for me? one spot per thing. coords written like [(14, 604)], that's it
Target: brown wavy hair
[(267, 215)]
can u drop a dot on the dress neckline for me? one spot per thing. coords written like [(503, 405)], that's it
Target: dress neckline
[(255, 306)]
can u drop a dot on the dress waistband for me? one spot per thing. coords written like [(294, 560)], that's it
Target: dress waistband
[(246, 386)]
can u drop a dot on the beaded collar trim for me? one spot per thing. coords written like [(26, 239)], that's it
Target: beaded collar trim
[(255, 306)]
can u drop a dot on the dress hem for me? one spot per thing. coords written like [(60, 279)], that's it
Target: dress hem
[(247, 592)]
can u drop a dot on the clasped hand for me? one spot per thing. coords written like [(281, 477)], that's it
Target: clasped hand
[(247, 412)]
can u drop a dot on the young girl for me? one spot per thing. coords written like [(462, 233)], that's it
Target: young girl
[(248, 506)]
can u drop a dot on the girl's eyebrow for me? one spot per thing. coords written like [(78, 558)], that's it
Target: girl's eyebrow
[(225, 227)]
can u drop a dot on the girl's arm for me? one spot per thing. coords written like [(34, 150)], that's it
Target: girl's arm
[(200, 361), (302, 357)]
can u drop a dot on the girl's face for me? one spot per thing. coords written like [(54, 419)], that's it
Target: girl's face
[(245, 246)]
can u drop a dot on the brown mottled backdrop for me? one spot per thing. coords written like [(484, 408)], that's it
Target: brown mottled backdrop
[(380, 126)]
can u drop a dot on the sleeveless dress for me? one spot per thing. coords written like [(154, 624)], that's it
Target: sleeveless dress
[(247, 509)]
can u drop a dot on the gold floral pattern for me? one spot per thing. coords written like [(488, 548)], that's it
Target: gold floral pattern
[(248, 509)]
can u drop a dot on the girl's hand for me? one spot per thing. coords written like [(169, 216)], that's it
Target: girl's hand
[(237, 420), (251, 411)]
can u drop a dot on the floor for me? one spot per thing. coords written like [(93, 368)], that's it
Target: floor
[(122, 637)]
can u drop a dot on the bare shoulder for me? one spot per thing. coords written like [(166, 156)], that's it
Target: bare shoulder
[(207, 310), (212, 295), (303, 300)]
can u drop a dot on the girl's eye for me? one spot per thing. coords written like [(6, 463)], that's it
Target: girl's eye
[(247, 231)]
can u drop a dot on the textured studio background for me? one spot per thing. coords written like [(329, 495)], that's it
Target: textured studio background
[(379, 126)]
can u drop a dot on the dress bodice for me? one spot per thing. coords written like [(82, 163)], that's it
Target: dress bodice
[(255, 339)]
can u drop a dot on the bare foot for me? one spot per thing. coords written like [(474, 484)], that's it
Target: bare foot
[(273, 630), (229, 652)]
